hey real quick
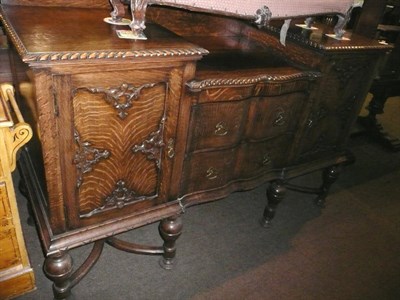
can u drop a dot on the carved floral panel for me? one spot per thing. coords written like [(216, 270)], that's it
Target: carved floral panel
[(111, 122)]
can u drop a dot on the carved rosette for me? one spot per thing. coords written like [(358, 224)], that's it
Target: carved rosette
[(86, 157), (153, 144), (122, 97)]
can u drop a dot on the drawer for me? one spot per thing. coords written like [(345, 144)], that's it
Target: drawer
[(208, 170), (216, 125), (273, 116), (257, 158)]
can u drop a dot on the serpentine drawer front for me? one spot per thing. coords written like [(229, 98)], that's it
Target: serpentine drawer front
[(243, 130)]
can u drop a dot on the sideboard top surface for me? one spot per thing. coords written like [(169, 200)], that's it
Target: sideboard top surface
[(63, 34)]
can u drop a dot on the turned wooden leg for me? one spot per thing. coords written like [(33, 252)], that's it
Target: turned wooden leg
[(275, 194), (170, 230), (329, 176), (58, 268)]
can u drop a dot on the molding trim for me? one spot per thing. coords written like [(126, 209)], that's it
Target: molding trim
[(92, 55), (198, 85)]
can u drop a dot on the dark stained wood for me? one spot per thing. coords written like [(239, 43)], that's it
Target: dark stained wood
[(134, 132), (371, 15), (387, 81)]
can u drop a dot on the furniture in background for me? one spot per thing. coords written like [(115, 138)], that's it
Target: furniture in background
[(16, 274), (129, 133), (387, 82)]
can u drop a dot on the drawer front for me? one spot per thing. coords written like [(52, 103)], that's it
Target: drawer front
[(208, 170), (216, 125), (257, 158), (273, 116)]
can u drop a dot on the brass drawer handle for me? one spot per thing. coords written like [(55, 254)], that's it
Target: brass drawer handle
[(170, 148), (212, 173), (266, 159), (220, 129), (280, 117)]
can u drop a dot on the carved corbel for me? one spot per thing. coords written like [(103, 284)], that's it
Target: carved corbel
[(15, 135)]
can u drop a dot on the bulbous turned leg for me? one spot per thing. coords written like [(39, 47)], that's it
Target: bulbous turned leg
[(329, 176), (58, 268), (170, 229), (275, 194)]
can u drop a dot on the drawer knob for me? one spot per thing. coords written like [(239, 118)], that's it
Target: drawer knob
[(220, 129), (212, 173)]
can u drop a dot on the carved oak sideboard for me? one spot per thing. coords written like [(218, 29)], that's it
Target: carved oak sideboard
[(129, 133)]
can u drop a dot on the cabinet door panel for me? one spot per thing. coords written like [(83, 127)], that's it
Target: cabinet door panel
[(118, 128), (109, 155)]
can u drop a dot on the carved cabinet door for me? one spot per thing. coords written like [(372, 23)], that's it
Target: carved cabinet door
[(118, 140)]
